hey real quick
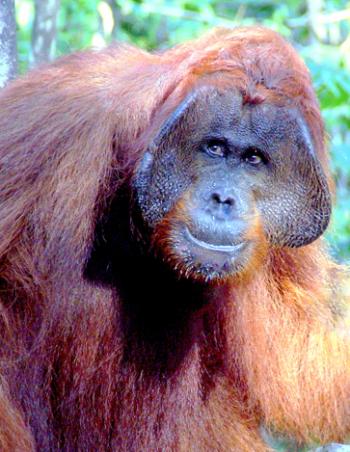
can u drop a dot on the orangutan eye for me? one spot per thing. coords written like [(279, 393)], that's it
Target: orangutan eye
[(215, 149), (254, 157)]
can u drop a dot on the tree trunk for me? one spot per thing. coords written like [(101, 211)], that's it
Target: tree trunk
[(8, 44), (117, 17), (44, 31)]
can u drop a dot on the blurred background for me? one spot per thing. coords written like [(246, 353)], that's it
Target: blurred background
[(319, 29)]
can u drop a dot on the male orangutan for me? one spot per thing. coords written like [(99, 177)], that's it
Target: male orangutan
[(163, 284)]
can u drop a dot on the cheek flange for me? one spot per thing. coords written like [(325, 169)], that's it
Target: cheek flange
[(160, 181), (300, 210), (143, 178)]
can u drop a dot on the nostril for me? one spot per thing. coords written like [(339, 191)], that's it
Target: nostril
[(229, 202), (221, 205), (218, 199)]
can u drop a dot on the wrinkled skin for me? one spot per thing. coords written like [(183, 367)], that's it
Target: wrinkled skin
[(227, 177)]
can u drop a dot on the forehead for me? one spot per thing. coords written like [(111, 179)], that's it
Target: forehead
[(223, 115)]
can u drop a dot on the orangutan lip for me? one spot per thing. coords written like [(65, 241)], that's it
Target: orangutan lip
[(211, 246)]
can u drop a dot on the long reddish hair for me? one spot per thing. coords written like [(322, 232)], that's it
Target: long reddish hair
[(271, 348)]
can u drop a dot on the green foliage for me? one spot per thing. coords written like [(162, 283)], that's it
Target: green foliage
[(77, 22), (24, 17), (156, 24)]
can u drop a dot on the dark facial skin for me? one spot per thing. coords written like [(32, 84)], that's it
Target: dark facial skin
[(220, 178)]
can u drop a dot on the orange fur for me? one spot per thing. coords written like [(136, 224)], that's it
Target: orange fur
[(271, 347), (296, 360)]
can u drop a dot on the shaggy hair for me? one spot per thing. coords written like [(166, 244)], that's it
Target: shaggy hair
[(271, 348)]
